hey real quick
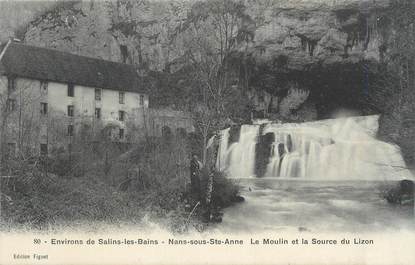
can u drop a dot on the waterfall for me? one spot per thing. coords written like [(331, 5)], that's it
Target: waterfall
[(238, 157), (334, 149)]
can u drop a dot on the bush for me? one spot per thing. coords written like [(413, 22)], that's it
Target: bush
[(44, 200), (225, 191), (150, 180)]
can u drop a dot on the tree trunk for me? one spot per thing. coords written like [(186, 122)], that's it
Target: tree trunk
[(204, 153), (2, 139)]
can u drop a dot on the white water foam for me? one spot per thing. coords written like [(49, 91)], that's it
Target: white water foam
[(334, 149)]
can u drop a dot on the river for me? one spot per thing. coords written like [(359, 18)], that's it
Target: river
[(315, 206)]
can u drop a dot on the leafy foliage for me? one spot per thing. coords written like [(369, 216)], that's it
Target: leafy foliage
[(293, 100), (150, 180)]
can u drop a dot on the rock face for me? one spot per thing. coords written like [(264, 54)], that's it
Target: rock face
[(402, 193), (77, 28), (14, 15), (284, 35), (141, 33), (324, 46), (279, 40), (298, 34)]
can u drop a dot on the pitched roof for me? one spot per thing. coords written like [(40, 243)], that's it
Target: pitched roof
[(52, 65)]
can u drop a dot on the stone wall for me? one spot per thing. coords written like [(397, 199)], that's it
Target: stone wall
[(163, 121)]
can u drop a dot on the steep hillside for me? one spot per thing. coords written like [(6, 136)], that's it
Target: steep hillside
[(135, 32)]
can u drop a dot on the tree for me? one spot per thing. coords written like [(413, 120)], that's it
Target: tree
[(295, 97), (4, 113), (19, 115), (209, 55)]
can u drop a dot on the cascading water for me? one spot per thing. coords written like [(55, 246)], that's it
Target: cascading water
[(335, 149)]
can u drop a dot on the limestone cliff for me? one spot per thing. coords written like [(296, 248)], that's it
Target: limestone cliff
[(295, 35), (15, 15), (135, 32), (324, 46), (327, 47)]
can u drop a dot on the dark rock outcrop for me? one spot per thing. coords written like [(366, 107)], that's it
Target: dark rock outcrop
[(234, 134), (263, 153), (238, 198), (403, 193)]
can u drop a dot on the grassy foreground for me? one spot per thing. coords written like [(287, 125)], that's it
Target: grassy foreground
[(150, 181)]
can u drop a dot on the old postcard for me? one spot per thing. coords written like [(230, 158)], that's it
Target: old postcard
[(207, 132)]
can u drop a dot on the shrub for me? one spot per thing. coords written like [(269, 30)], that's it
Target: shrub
[(224, 190), (294, 99), (151, 180)]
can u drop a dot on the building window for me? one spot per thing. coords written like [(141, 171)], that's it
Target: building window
[(98, 113), (121, 97), (98, 94), (43, 108), (11, 84), (70, 130), (141, 100), (121, 133), (44, 86), (43, 149), (121, 115), (11, 104), (70, 110), (71, 90)]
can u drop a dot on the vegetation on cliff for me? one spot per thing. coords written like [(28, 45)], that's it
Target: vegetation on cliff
[(393, 91)]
